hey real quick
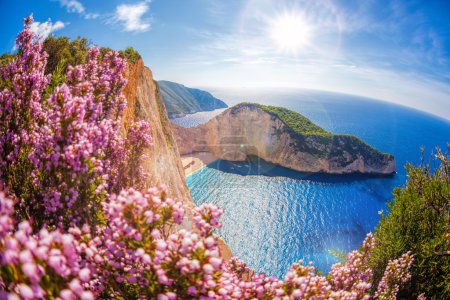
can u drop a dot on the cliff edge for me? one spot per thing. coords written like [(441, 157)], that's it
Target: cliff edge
[(144, 102), (282, 137), (163, 163)]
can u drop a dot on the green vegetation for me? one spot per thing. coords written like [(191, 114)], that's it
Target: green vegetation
[(5, 59), (296, 121), (131, 55), (180, 100), (62, 49), (63, 52), (75, 52), (357, 140), (418, 221), (350, 143)]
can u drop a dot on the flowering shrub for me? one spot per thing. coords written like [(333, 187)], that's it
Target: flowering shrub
[(130, 172), (62, 154), (34, 266), (91, 232), (354, 276), (396, 274), (142, 252)]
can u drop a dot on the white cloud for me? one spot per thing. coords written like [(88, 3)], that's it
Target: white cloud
[(90, 16), (130, 16), (46, 28), (73, 6)]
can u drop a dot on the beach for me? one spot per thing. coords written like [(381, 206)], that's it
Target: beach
[(195, 161)]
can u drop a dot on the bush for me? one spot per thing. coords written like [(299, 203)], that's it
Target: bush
[(131, 55), (60, 148), (63, 49), (418, 221)]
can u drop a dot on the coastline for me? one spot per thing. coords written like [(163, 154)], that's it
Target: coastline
[(196, 161)]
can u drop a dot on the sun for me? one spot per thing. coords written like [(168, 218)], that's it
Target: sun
[(290, 32)]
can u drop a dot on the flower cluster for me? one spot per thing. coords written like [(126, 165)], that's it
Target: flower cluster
[(74, 142), (22, 84), (206, 218), (31, 264), (142, 252), (396, 274), (354, 277), (61, 151), (131, 172)]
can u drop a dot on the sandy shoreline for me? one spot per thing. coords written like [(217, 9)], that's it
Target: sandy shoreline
[(196, 161)]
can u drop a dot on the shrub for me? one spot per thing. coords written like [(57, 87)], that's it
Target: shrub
[(71, 52), (418, 221), (60, 149), (41, 265), (131, 55)]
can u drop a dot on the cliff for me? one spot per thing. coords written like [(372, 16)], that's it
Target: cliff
[(181, 100), (144, 102), (282, 137), (163, 163)]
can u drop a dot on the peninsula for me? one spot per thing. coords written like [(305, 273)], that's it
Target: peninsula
[(180, 100), (282, 137)]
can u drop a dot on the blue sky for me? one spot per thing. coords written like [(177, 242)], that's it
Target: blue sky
[(397, 51)]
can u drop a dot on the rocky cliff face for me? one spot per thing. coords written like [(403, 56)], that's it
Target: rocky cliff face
[(248, 129), (144, 102)]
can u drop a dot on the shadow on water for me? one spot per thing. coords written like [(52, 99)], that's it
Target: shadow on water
[(256, 166)]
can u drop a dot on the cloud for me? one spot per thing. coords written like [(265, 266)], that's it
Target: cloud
[(74, 6), (90, 16), (130, 16), (46, 28)]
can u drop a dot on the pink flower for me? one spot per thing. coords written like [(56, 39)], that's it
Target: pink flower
[(85, 274), (25, 291)]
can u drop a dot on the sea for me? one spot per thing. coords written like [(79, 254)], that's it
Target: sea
[(275, 217)]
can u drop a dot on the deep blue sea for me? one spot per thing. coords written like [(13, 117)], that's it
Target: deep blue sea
[(275, 217)]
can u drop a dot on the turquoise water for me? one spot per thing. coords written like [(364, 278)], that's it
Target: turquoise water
[(275, 217)]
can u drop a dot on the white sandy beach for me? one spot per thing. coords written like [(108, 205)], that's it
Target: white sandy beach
[(196, 161)]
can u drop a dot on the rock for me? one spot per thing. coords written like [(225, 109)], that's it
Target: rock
[(144, 102), (253, 129), (163, 163)]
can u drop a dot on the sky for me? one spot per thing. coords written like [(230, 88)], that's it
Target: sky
[(392, 50)]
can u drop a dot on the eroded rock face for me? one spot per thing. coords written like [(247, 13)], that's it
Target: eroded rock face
[(247, 129), (163, 162), (144, 102)]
